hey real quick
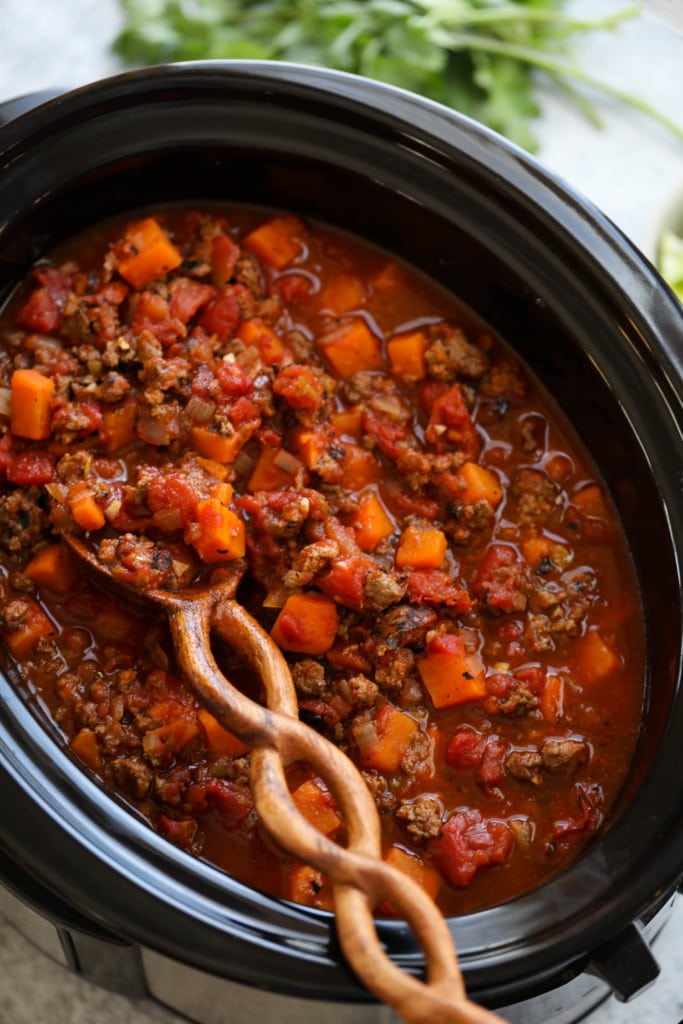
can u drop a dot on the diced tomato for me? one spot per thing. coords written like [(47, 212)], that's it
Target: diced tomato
[(188, 297), (233, 380), (222, 314), (6, 446), (180, 831), (502, 578), (173, 491), (492, 772), (411, 504), (301, 387), (345, 580), (589, 816), (224, 256), (293, 287), (40, 313), (244, 411), (43, 311), (31, 467), (465, 748), (469, 842), (233, 803), (348, 656), (387, 436), (450, 424), (434, 586)]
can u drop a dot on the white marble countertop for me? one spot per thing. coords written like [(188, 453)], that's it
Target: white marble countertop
[(628, 169)]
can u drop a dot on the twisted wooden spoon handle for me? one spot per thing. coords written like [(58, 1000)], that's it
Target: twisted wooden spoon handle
[(359, 876)]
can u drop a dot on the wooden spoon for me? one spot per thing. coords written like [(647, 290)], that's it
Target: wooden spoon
[(360, 878)]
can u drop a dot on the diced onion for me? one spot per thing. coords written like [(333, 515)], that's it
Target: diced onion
[(5, 401), (181, 569), (168, 519), (153, 431), (243, 464), (276, 597), (523, 830), (199, 410), (365, 735), (287, 462), (112, 509), (392, 406), (192, 532), (57, 492)]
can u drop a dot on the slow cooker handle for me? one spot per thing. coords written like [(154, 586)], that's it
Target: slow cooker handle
[(626, 963), (22, 104)]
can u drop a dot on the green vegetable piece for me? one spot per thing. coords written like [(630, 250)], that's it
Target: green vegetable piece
[(670, 261), (482, 57)]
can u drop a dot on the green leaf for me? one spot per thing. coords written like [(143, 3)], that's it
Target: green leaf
[(483, 57), (670, 261)]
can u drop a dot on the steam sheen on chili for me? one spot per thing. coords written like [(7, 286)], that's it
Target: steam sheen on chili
[(234, 393)]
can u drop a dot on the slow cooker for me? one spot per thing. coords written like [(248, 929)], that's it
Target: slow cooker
[(87, 880)]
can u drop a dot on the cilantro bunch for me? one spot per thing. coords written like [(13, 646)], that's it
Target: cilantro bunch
[(478, 56)]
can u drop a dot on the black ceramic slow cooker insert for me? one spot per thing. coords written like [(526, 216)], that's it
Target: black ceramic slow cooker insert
[(590, 316)]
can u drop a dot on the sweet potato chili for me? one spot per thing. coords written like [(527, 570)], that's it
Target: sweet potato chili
[(233, 393)]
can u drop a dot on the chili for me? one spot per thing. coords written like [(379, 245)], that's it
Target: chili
[(233, 393)]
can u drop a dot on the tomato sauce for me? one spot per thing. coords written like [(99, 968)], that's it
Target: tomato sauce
[(232, 393)]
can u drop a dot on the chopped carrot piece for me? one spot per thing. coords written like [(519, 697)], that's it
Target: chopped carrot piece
[(591, 501), (221, 740), (307, 624), (168, 739), (414, 867), (342, 293), (31, 395), (85, 745), (318, 807), (359, 468), (270, 345), (352, 347), (216, 446), (222, 534), (87, 513), (535, 549), (213, 468), (595, 657), (476, 483), (371, 523), (551, 702), (150, 254), (53, 568), (222, 492), (394, 732), (278, 242), (118, 426), (309, 887), (421, 548), (407, 356), (275, 469), (35, 625), (311, 444), (451, 675), (559, 467), (348, 422)]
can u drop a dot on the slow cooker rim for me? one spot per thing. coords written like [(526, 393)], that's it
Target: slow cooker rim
[(662, 308)]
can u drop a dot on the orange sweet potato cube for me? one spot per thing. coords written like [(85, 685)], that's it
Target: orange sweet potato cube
[(352, 347)]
